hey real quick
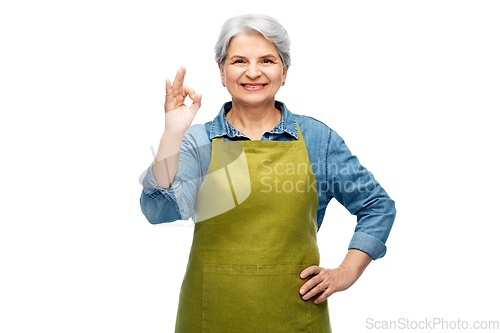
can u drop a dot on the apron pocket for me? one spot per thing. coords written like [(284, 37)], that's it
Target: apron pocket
[(240, 299)]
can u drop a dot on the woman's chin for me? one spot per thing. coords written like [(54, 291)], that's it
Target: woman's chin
[(253, 101)]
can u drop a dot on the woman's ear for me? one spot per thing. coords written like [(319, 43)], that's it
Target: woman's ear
[(222, 74), (285, 71), (221, 69)]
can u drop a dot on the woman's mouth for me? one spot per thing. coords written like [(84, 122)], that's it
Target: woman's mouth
[(253, 86)]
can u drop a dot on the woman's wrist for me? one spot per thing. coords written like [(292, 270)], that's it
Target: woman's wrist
[(355, 262)]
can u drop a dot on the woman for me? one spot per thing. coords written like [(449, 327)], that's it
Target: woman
[(247, 180)]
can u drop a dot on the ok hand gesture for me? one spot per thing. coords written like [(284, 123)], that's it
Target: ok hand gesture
[(178, 116)]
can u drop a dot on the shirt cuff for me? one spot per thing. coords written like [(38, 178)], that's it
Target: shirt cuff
[(368, 244), (151, 188)]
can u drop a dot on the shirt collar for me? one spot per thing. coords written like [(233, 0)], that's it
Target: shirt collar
[(221, 127)]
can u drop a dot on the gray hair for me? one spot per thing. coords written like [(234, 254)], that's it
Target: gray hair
[(269, 27)]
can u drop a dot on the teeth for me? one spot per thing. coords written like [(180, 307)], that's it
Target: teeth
[(252, 85)]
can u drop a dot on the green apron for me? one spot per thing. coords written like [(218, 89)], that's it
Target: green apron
[(255, 232)]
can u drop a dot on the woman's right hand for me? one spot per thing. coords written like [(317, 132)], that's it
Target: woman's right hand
[(179, 116)]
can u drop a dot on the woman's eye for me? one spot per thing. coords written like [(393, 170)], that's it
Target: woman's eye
[(268, 61), (238, 62)]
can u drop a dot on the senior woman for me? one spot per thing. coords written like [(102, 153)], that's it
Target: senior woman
[(246, 179)]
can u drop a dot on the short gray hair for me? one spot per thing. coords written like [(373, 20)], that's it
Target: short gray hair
[(269, 27)]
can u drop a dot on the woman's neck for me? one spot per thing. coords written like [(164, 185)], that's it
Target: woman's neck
[(253, 121)]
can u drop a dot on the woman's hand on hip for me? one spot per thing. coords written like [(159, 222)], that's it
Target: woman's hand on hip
[(325, 280), (332, 280), (179, 116)]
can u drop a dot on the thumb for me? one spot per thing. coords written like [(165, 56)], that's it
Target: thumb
[(195, 106)]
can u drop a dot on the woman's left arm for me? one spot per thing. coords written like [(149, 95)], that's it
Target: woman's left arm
[(356, 189)]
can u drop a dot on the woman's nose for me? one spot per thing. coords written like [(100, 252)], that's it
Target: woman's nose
[(253, 71)]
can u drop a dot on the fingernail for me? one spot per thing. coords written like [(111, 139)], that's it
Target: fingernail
[(302, 291)]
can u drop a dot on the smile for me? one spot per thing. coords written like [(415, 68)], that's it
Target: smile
[(253, 87)]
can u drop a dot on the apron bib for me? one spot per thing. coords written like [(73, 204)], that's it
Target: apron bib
[(255, 232)]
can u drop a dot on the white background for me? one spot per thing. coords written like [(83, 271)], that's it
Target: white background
[(412, 87)]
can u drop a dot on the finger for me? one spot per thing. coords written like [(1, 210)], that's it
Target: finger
[(183, 70), (195, 106), (179, 81), (310, 284), (310, 270), (197, 99), (314, 291), (169, 98), (327, 293), (188, 91)]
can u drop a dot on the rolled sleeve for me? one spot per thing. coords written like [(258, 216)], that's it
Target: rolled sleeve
[(368, 244), (151, 188), (161, 205), (158, 204)]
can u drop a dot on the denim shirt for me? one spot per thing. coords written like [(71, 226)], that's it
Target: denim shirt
[(338, 175)]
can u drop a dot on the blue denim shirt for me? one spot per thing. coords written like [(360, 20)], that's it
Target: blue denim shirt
[(338, 174)]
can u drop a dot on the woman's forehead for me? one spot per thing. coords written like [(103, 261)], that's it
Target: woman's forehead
[(252, 44)]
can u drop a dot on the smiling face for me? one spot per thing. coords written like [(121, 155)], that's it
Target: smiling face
[(253, 71)]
